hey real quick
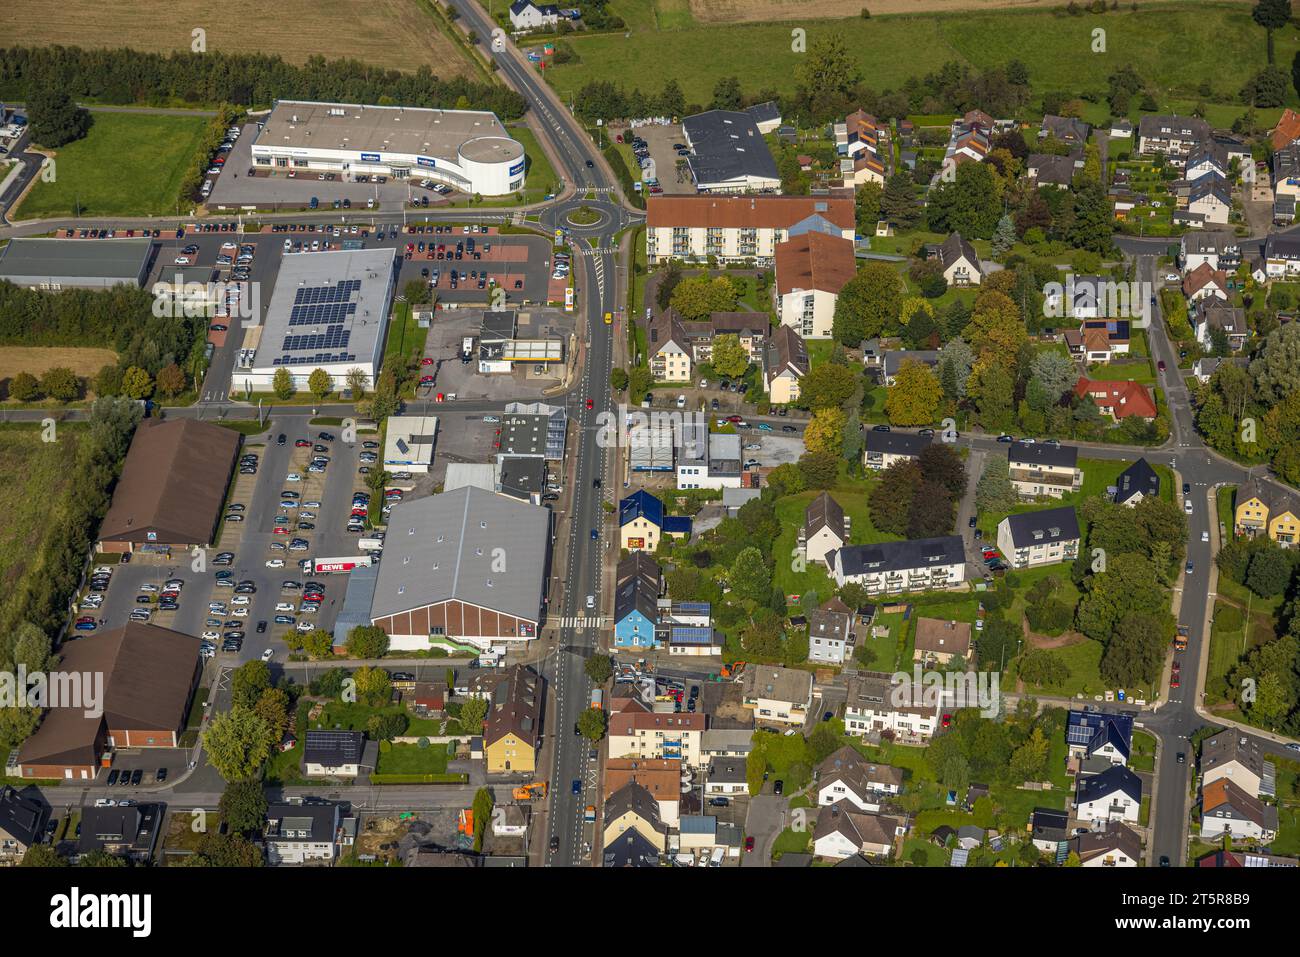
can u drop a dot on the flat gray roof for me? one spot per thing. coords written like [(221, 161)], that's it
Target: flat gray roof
[(471, 545), (328, 307), (85, 262), (445, 134)]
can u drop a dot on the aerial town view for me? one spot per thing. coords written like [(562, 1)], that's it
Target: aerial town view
[(652, 434)]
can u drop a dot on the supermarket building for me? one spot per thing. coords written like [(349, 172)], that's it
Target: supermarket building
[(467, 149)]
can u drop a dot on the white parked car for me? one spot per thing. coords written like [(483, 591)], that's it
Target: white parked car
[(275, 562), (268, 655), (1187, 506), (239, 612), (1205, 536), (283, 606), (210, 636), (293, 477), (240, 600), (305, 626)]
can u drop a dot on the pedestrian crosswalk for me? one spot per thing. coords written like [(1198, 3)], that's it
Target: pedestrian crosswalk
[(571, 621)]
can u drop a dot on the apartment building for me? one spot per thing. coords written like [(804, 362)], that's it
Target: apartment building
[(891, 568), (777, 695), (738, 228), (1045, 537), (636, 732), (811, 269), (1043, 469)]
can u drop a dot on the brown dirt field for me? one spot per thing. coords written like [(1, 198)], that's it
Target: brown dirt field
[(1063, 640), (391, 33), (39, 359), (754, 11)]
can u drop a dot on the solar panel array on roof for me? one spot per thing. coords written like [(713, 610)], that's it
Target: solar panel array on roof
[(691, 635), (330, 305)]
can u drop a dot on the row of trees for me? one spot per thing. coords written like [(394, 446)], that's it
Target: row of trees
[(917, 498), (244, 79)]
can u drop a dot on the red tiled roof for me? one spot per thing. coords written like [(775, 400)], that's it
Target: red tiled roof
[(757, 212), (814, 261), (1121, 399), (1287, 130), (1202, 276)]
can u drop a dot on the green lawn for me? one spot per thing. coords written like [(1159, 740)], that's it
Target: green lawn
[(1175, 48), (540, 176), (1143, 757), (129, 164), (1083, 660), (1228, 645), (413, 759)]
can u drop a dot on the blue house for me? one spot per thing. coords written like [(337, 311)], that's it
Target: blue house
[(635, 614)]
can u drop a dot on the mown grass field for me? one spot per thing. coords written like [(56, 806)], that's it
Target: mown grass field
[(129, 164), (33, 476), (731, 11), (397, 34), (1176, 47)]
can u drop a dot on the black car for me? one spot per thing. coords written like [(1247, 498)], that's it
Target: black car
[(778, 788), (261, 626), (1182, 758), (555, 844), (719, 802), (880, 428), (1187, 489), (325, 437), (281, 439), (788, 428), (136, 777), (160, 775), (402, 676), (112, 777), (590, 165), (972, 521), (595, 483)]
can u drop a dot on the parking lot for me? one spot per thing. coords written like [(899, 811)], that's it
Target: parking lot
[(526, 382), (480, 260), (671, 171)]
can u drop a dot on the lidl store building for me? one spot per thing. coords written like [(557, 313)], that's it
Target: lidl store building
[(466, 149)]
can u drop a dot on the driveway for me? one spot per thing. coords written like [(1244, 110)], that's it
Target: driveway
[(766, 820)]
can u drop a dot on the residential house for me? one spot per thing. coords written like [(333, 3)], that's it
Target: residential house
[(967, 146), (726, 777), (1228, 809), (811, 269), (1121, 129), (1219, 250), (1205, 367), (777, 695), (630, 849), (669, 349), (22, 822), (1049, 830), (1204, 281), (1099, 734), (1065, 129), (940, 642), (708, 459), (1211, 198), (1048, 169), (125, 830), (894, 360), (1137, 482), (1283, 210), (830, 633), (865, 167), (906, 566), (660, 777), (636, 732), (847, 776), (726, 743), (825, 528), (875, 706), (1115, 845), (883, 449), (1286, 172), (1287, 130), (1045, 537), (1208, 160), (960, 262), (1175, 137), (641, 522), (843, 831), (1113, 795), (739, 228), (1120, 399), (1044, 469), (1281, 255), (526, 15), (512, 729), (1099, 340), (1233, 756), (787, 364), (1246, 859), (636, 612), (633, 808), (1213, 313), (1262, 508), (333, 754), (749, 328), (766, 116)]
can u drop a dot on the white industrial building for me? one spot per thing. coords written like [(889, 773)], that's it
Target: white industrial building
[(328, 310), (408, 446), (466, 149)]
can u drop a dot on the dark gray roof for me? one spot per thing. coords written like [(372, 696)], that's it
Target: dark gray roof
[(522, 475), (1172, 126), (762, 112), (954, 248), (95, 263), (333, 749), (894, 359), (1282, 246), (131, 829), (1116, 778), (1043, 453), (1043, 527), (310, 821), (897, 443), (726, 145), (1138, 478), (636, 594), (897, 556), (1050, 168), (449, 546), (22, 817), (631, 849)]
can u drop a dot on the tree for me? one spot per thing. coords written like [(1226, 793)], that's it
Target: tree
[(994, 492), (1276, 369), (890, 501), (61, 383), (318, 643), (237, 742), (249, 682), (866, 207), (825, 431), (749, 575), (386, 725), (472, 713), (1093, 224), (1136, 649), (591, 723), (899, 203), (969, 205), (1029, 761), (224, 850), (727, 94), (483, 807), (320, 382), (102, 858), (698, 296), (868, 305), (243, 807), (915, 396), (282, 385), (599, 669), (43, 855), (1055, 372), (23, 387), (941, 464), (171, 381), (1269, 572), (54, 118), (108, 380), (356, 380), (996, 329), (1129, 584), (730, 358), (827, 77), (828, 386), (618, 379), (273, 708), (819, 470), (367, 641), (1271, 15), (373, 685)]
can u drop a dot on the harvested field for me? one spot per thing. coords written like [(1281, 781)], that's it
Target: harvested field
[(39, 359), (393, 33), (759, 11)]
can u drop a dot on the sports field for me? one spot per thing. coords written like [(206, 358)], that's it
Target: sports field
[(397, 34), (129, 164), (1176, 47)]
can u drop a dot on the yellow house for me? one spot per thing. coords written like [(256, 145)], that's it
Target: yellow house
[(632, 807), (1251, 515), (641, 521), (511, 728), (1284, 527)]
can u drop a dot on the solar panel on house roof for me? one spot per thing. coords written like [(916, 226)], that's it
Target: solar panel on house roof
[(691, 635)]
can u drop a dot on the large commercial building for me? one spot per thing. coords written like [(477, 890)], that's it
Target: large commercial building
[(738, 228), (67, 264), (328, 311), (467, 149), (172, 489), (729, 154), (468, 566)]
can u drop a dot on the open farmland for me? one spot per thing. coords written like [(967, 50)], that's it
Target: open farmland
[(1167, 44), (760, 11), (39, 359), (397, 34), (33, 476)]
